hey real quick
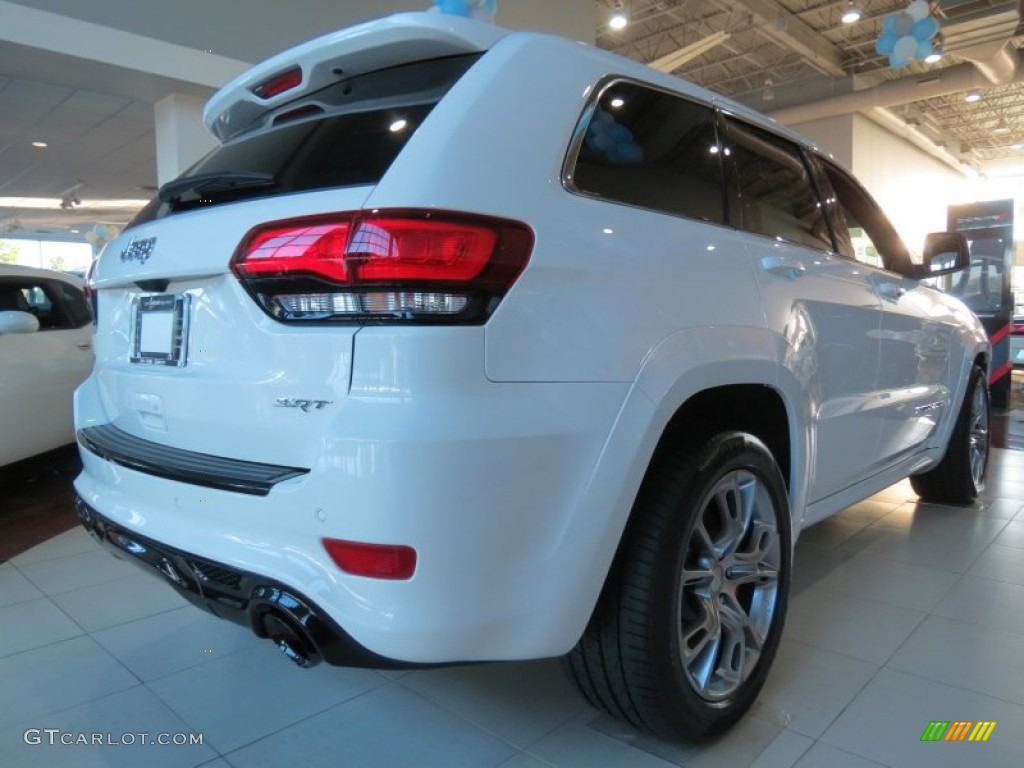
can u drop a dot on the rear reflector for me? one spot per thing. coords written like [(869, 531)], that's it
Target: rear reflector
[(417, 266), (279, 83), (375, 561)]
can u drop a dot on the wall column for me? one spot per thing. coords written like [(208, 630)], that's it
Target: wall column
[(181, 137)]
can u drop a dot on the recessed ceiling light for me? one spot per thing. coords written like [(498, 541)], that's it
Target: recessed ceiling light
[(40, 144), (1001, 126), (973, 96), (852, 14), (616, 102), (619, 19), (398, 125)]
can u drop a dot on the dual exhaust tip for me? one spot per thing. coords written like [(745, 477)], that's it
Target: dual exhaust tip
[(291, 639)]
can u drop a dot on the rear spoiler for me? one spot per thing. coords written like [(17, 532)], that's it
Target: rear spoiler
[(388, 42)]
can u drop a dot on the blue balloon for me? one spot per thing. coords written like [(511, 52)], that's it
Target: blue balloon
[(453, 7), (925, 29), (620, 133), (888, 25), (924, 50), (896, 62), (886, 44)]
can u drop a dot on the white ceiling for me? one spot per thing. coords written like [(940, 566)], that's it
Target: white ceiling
[(98, 119)]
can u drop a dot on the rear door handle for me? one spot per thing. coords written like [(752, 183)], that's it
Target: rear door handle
[(891, 290), (785, 266)]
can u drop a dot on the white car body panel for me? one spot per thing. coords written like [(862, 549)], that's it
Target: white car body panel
[(507, 454), (38, 375)]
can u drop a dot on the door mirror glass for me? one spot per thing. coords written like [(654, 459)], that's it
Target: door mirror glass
[(944, 253), (13, 321)]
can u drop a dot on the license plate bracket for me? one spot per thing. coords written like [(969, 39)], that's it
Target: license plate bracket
[(160, 330)]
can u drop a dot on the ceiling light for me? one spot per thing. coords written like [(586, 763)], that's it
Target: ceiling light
[(616, 102), (1001, 126), (74, 231), (852, 14), (769, 90), (973, 96), (619, 19), (398, 125), (1018, 145), (40, 144), (934, 56)]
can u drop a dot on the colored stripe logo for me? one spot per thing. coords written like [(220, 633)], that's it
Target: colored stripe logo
[(958, 730)]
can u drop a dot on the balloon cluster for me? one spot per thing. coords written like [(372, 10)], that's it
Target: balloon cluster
[(612, 139), (907, 35), (100, 235), (482, 10)]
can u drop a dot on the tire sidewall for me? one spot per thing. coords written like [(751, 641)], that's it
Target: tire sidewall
[(721, 455)]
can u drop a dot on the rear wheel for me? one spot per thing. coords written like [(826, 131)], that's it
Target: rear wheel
[(960, 476), (690, 618)]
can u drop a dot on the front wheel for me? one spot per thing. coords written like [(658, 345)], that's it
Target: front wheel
[(690, 617), (960, 476)]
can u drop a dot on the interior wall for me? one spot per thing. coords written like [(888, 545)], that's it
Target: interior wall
[(833, 134), (913, 187)]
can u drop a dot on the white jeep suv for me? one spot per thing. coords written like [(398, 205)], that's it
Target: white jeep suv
[(469, 344)]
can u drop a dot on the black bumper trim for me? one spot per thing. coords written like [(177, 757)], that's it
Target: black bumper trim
[(239, 596), (113, 444)]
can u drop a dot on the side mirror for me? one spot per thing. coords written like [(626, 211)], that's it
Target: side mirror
[(944, 253), (13, 321)]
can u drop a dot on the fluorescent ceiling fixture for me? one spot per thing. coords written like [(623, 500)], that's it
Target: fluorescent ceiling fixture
[(972, 96), (852, 14), (53, 203), (40, 144)]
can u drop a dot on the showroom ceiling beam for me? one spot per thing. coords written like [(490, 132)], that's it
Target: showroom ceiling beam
[(785, 28)]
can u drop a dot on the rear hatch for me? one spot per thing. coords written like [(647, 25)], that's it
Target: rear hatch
[(192, 350)]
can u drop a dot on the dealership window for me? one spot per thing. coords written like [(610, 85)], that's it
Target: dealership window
[(774, 192), (651, 149)]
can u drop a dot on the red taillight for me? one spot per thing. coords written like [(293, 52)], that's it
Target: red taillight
[(279, 83), (375, 266), (375, 561)]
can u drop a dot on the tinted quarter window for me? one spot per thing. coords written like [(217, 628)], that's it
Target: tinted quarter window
[(776, 196), (862, 230), (651, 149)]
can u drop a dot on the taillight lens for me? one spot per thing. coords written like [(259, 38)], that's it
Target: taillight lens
[(375, 561), (383, 266)]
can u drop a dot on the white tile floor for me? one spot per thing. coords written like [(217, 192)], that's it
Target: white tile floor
[(900, 614)]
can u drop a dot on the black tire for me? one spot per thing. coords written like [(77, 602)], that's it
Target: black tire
[(960, 476), (630, 661)]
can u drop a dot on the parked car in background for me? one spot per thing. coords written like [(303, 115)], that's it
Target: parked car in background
[(474, 345), (45, 352)]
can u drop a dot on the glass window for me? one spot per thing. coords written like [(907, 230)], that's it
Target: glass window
[(654, 150), (55, 304), (774, 189), (862, 230), (344, 135)]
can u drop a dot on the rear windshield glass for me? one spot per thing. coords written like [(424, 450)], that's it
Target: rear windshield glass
[(347, 134)]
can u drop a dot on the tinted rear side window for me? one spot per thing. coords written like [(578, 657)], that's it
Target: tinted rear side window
[(775, 193), (651, 149), (344, 135)]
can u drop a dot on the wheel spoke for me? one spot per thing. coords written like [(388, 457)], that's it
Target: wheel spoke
[(700, 645)]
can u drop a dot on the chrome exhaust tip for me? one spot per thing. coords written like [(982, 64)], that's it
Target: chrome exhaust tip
[(290, 640)]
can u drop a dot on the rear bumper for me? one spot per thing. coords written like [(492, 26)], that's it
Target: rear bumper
[(303, 632)]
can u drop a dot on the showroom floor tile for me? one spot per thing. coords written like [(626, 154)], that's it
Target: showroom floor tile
[(900, 614)]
